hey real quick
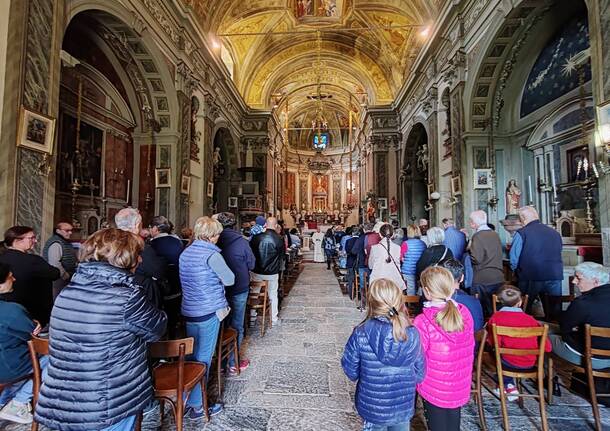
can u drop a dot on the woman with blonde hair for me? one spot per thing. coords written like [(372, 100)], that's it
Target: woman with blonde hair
[(447, 337), (98, 377), (203, 276), (384, 356)]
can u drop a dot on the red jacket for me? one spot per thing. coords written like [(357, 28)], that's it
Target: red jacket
[(514, 317)]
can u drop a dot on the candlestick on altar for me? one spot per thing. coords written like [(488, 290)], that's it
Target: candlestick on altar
[(128, 189), (529, 187), (103, 184), (554, 184)]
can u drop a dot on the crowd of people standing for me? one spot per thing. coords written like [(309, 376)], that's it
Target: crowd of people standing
[(100, 305), (393, 358)]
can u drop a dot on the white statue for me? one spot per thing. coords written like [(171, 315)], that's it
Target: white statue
[(217, 158), (422, 157)]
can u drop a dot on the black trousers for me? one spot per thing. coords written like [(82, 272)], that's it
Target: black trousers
[(439, 419)]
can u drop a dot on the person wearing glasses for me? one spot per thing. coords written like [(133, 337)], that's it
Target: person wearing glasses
[(60, 253), (34, 277)]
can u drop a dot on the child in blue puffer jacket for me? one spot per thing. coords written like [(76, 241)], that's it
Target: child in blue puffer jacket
[(384, 356)]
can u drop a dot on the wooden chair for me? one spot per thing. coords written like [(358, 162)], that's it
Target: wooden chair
[(227, 344), (258, 299), (481, 338), (413, 304), (494, 301), (536, 372), (37, 347), (587, 370), (174, 381)]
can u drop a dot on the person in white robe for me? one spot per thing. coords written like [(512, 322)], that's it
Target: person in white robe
[(318, 251)]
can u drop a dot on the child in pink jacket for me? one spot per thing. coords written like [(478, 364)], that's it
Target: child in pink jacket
[(447, 339)]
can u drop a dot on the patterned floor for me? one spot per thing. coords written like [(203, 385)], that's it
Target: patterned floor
[(295, 381)]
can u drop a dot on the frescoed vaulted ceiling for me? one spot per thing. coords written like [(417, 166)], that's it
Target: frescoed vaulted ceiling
[(358, 51)]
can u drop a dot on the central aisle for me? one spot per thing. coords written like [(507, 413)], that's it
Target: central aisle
[(295, 380)]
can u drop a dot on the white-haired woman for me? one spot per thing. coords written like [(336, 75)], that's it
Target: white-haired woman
[(204, 275), (436, 251)]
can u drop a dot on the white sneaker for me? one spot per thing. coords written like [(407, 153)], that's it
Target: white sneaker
[(512, 394), (16, 412)]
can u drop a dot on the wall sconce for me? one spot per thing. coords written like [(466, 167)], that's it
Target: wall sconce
[(434, 196)]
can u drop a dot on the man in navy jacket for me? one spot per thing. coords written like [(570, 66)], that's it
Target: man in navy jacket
[(535, 255), (238, 255)]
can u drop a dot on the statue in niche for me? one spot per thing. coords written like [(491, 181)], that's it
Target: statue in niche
[(370, 211), (422, 158), (513, 198), (218, 164)]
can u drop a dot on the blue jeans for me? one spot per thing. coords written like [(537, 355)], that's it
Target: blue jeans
[(405, 426), (510, 380), (205, 335), (127, 424), (485, 292), (236, 318), (561, 349), (411, 283), (361, 272), (22, 391)]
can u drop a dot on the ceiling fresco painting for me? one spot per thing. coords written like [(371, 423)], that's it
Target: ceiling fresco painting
[(285, 52)]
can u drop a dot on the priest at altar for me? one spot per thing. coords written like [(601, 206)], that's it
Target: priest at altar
[(318, 252)]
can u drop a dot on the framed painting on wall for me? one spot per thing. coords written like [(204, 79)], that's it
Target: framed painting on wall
[(185, 184), (36, 131), (232, 202), (456, 186), (163, 178), (482, 179), (210, 190)]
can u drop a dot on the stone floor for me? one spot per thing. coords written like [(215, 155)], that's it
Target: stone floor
[(295, 381)]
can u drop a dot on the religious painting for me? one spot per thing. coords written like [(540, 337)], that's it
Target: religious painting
[(163, 178), (87, 168), (290, 190), (318, 8), (576, 158), (36, 131), (185, 185), (232, 202), (456, 186), (482, 179), (383, 203)]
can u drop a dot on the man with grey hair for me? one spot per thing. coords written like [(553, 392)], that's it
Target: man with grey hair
[(151, 272), (589, 308), (485, 250), (535, 256)]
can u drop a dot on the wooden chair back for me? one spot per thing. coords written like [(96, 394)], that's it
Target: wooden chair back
[(412, 302), (540, 332), (171, 348), (590, 352), (37, 347), (494, 301)]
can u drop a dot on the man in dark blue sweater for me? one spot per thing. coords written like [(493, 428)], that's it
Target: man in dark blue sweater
[(169, 247), (535, 256)]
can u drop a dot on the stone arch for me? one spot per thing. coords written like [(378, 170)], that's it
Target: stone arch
[(414, 178)]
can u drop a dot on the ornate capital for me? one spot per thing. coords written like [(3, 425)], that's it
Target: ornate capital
[(385, 142), (186, 79)]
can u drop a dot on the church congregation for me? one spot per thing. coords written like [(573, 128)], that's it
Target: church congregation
[(269, 215)]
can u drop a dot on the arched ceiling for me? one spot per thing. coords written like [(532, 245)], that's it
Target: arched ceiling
[(287, 47)]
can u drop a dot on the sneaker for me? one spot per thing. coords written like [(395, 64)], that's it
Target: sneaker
[(243, 365), (16, 412), (512, 394), (193, 413), (215, 409)]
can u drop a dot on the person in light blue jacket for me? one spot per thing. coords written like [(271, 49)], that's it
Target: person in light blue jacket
[(385, 357), (203, 276)]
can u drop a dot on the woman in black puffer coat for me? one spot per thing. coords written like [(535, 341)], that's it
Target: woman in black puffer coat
[(101, 322)]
